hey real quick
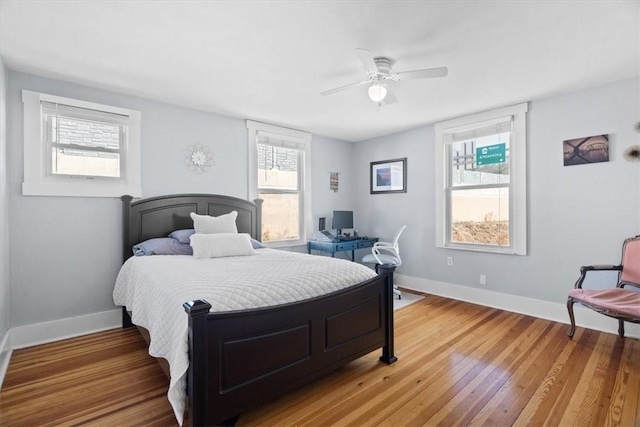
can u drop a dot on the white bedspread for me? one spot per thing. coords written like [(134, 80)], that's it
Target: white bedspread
[(154, 288)]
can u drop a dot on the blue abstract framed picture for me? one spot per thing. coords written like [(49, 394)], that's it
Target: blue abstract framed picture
[(389, 176)]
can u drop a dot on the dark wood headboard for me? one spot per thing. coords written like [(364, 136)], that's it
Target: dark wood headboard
[(159, 216)]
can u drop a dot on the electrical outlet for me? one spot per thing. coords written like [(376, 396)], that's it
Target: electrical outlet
[(483, 279), (449, 261)]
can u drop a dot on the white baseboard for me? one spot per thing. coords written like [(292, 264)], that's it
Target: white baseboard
[(41, 333), (5, 356), (532, 307)]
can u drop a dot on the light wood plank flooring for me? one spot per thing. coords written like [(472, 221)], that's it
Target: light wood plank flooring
[(459, 364)]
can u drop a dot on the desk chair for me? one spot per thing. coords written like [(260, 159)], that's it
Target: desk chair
[(386, 253)]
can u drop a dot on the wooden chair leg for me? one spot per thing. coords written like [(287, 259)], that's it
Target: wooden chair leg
[(621, 328), (572, 331)]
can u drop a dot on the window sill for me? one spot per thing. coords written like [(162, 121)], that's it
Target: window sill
[(79, 189), (486, 249), (286, 245)]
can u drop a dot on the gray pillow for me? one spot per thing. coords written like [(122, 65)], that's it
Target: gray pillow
[(256, 244), (182, 236), (162, 246)]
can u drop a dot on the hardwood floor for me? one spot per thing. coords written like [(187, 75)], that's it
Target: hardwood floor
[(101, 379), (459, 364)]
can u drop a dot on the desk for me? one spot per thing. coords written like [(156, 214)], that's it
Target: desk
[(347, 245)]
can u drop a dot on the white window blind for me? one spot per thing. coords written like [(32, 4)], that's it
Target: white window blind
[(480, 130), (62, 110), (264, 138)]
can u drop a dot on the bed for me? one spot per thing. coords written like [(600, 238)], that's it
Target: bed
[(297, 342)]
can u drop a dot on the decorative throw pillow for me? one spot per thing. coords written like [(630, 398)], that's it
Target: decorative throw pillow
[(183, 236), (218, 245), (207, 224), (161, 246)]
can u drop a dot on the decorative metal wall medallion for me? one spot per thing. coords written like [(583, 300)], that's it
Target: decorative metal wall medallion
[(198, 158)]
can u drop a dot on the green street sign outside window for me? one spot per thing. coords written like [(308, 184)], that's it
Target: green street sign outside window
[(491, 154)]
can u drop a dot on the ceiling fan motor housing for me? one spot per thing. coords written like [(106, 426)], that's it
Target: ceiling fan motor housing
[(384, 64)]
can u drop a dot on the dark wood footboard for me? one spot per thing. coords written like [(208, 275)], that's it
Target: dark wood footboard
[(241, 359)]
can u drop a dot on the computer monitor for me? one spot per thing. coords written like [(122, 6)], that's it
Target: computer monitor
[(342, 220)]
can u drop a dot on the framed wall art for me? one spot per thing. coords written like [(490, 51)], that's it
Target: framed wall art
[(388, 176), (589, 149), (334, 181)]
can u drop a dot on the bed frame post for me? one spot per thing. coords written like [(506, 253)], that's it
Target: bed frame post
[(258, 203), (126, 251), (197, 375), (126, 319), (388, 352), (126, 220)]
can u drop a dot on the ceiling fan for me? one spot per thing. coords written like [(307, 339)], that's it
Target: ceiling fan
[(379, 71)]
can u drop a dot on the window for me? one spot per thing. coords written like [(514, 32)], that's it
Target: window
[(279, 171), (77, 148), (481, 181)]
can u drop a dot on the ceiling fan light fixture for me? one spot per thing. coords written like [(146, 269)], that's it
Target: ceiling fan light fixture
[(379, 74), (377, 92)]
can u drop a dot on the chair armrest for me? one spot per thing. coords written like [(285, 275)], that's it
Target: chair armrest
[(383, 244), (601, 267), (377, 249), (391, 250), (623, 284)]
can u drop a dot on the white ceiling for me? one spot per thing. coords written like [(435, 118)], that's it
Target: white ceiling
[(269, 60)]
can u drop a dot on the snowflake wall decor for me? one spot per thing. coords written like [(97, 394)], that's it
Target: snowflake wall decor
[(198, 158)]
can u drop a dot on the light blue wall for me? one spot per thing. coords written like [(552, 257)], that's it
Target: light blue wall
[(577, 215), (5, 273), (331, 155), (66, 251)]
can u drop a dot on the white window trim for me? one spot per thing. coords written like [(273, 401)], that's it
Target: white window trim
[(37, 183), (517, 174), (300, 138)]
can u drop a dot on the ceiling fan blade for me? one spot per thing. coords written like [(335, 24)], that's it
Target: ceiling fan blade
[(391, 97), (423, 74), (367, 60), (341, 88)]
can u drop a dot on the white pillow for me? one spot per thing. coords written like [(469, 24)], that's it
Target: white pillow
[(219, 245), (215, 224)]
